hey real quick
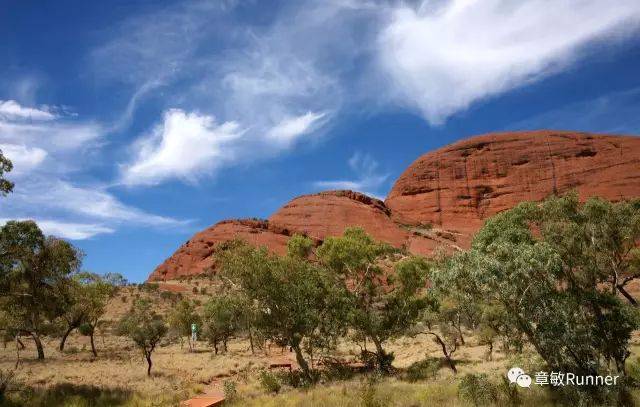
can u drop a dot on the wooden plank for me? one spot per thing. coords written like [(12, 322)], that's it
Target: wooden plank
[(204, 401)]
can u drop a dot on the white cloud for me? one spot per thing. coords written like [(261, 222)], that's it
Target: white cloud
[(367, 180), (46, 154), (290, 129), (443, 56), (24, 158), (184, 146), (10, 109), (68, 230)]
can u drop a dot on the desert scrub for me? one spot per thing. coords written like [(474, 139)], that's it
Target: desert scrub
[(269, 382), (423, 370), (478, 390), (230, 390)]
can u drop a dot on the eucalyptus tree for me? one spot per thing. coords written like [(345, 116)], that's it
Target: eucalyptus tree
[(295, 301), (6, 165), (382, 303), (552, 269), (144, 327), (34, 269)]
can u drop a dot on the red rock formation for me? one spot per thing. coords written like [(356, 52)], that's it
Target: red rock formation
[(329, 213), (443, 198), (194, 257), (458, 186)]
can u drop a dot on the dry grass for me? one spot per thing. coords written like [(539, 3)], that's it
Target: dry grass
[(118, 375)]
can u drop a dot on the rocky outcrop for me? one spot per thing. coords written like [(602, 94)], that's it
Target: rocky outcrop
[(195, 256), (329, 213), (459, 186), (441, 199)]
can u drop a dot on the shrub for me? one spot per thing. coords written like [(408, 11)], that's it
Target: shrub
[(230, 390), (269, 382), (510, 393), (422, 370), (477, 390)]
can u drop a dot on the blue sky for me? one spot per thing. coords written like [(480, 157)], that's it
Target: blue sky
[(134, 124)]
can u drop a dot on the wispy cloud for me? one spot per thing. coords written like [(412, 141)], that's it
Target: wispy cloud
[(46, 153), (10, 109), (367, 179), (290, 129), (441, 57), (614, 113), (277, 82), (184, 146), (68, 230)]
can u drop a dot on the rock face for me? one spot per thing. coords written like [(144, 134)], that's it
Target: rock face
[(329, 213), (194, 257), (457, 187), (441, 199)]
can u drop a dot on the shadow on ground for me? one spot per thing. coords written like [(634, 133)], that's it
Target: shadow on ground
[(67, 394)]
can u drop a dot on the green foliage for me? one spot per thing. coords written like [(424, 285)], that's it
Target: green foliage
[(85, 301), (295, 302), (115, 279), (85, 329), (6, 165), (509, 392), (478, 390), (181, 317), (269, 382), (550, 268), (144, 327), (230, 391), (423, 370), (149, 287), (225, 316), (299, 246), (381, 305), (34, 271)]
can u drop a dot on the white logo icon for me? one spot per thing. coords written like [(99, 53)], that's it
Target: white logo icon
[(524, 380), (517, 375)]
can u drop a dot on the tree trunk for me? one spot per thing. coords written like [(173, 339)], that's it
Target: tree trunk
[(380, 355), (253, 352), (447, 353), (301, 361), (36, 339), (93, 345), (626, 295), (20, 344), (64, 338), (147, 355)]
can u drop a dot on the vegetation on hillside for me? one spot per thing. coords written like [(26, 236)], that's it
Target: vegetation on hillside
[(549, 279)]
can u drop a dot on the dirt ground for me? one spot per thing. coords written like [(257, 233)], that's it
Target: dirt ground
[(179, 374)]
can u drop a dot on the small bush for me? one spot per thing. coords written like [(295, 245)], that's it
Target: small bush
[(195, 290), (269, 382), (203, 290), (230, 390), (296, 378), (124, 299), (337, 371), (509, 392), (477, 390), (422, 370)]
